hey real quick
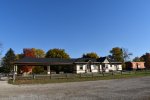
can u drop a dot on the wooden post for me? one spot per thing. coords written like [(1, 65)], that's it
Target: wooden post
[(135, 71), (80, 75), (33, 76), (14, 76), (92, 75), (103, 73), (66, 76), (121, 72), (112, 72), (98, 68), (50, 75), (145, 70)]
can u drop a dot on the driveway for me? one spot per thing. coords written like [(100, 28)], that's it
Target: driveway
[(120, 89)]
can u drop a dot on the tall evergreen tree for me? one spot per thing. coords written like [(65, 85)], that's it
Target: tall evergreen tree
[(7, 61)]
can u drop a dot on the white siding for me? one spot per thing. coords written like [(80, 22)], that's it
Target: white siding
[(114, 67), (78, 70), (119, 67), (94, 68), (106, 61), (100, 68)]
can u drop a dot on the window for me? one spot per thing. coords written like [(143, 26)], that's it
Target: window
[(81, 67)]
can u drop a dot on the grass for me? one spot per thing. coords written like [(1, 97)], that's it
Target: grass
[(81, 79)]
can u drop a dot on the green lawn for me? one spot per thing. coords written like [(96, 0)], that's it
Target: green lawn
[(84, 77)]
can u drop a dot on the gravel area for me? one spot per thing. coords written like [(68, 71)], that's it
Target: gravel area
[(120, 89)]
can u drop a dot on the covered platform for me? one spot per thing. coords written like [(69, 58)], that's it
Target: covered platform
[(28, 61)]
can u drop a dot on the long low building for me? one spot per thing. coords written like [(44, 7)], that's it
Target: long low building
[(79, 65)]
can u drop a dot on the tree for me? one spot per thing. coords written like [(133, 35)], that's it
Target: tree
[(90, 55), (146, 59), (29, 52), (33, 52), (136, 59), (7, 61), (57, 53), (117, 54), (39, 53), (19, 56), (126, 54), (38, 69)]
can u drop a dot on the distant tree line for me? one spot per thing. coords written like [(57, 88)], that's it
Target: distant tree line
[(116, 53)]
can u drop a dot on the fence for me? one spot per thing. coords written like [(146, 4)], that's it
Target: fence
[(81, 75)]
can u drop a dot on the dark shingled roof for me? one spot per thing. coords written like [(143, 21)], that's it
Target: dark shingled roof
[(86, 60), (101, 59), (55, 61), (30, 60)]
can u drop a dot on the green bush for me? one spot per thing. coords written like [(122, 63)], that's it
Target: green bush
[(38, 70)]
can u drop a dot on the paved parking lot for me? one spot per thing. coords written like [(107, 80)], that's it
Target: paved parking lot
[(121, 89)]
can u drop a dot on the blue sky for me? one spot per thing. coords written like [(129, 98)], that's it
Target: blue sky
[(78, 26)]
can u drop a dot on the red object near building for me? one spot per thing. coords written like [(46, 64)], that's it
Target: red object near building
[(28, 52), (135, 65)]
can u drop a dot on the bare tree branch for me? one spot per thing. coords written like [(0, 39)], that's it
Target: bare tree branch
[(126, 54)]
